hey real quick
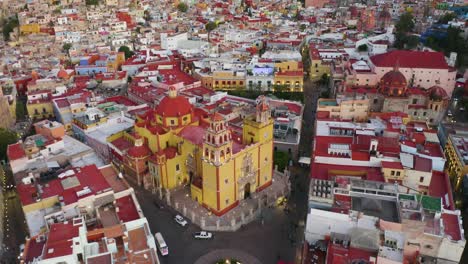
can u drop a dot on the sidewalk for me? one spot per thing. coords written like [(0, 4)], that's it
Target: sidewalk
[(247, 210)]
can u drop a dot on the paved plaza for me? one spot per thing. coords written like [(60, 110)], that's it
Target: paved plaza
[(248, 209)]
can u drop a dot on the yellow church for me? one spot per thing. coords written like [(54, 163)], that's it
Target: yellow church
[(174, 145)]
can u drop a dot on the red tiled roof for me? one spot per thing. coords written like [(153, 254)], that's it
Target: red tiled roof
[(15, 151), (121, 144), (89, 176), (410, 59), (59, 242), (33, 249), (170, 152), (440, 187), (392, 165), (193, 134), (422, 164), (119, 99), (139, 151), (452, 226), (127, 210)]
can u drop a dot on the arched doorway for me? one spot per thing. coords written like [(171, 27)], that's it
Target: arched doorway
[(247, 190)]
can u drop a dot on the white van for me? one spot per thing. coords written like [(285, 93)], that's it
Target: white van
[(163, 249)]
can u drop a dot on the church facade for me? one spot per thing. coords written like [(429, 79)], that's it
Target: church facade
[(173, 145)]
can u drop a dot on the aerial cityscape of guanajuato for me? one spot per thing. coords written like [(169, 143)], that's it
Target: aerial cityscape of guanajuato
[(233, 131)]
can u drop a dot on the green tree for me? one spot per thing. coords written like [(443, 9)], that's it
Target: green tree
[(411, 42), (446, 18), (210, 26), (182, 7), (20, 110), (404, 26), (92, 2), (281, 159), (127, 51), (406, 23), (8, 26), (362, 48), (66, 48), (7, 137)]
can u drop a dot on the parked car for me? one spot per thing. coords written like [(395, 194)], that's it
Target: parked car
[(180, 220), (203, 235)]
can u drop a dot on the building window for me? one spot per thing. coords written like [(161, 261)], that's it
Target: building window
[(241, 82), (421, 179), (172, 122), (376, 101), (415, 101), (226, 181), (392, 173), (227, 201), (397, 173), (424, 113), (177, 167), (415, 113)]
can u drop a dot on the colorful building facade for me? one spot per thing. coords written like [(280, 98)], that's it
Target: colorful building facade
[(173, 146), (456, 151)]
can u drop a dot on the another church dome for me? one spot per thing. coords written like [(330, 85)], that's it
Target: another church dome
[(174, 105), (437, 93), (393, 83)]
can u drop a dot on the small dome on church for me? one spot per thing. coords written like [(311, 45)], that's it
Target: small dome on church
[(437, 93), (174, 106)]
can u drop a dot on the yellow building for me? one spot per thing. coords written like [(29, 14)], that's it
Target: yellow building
[(30, 28), (456, 166), (173, 147), (318, 68), (318, 65), (393, 171), (289, 75), (39, 105), (228, 80), (115, 62)]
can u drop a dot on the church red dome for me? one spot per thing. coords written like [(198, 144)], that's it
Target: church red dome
[(437, 93), (393, 83), (174, 106), (394, 78)]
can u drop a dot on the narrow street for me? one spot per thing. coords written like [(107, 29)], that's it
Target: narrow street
[(311, 95), (14, 227)]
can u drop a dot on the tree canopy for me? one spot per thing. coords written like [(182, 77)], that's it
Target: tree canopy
[(8, 26), (66, 47), (182, 7), (281, 159), (92, 2), (210, 26), (404, 27), (362, 48), (446, 18), (451, 42), (406, 23), (7, 137), (127, 51)]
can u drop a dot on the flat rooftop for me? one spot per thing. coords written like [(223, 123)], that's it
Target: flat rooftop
[(383, 209)]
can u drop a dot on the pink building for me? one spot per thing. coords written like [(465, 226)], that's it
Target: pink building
[(315, 3), (423, 69)]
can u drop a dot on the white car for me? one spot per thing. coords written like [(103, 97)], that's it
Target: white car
[(180, 220), (203, 235)]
